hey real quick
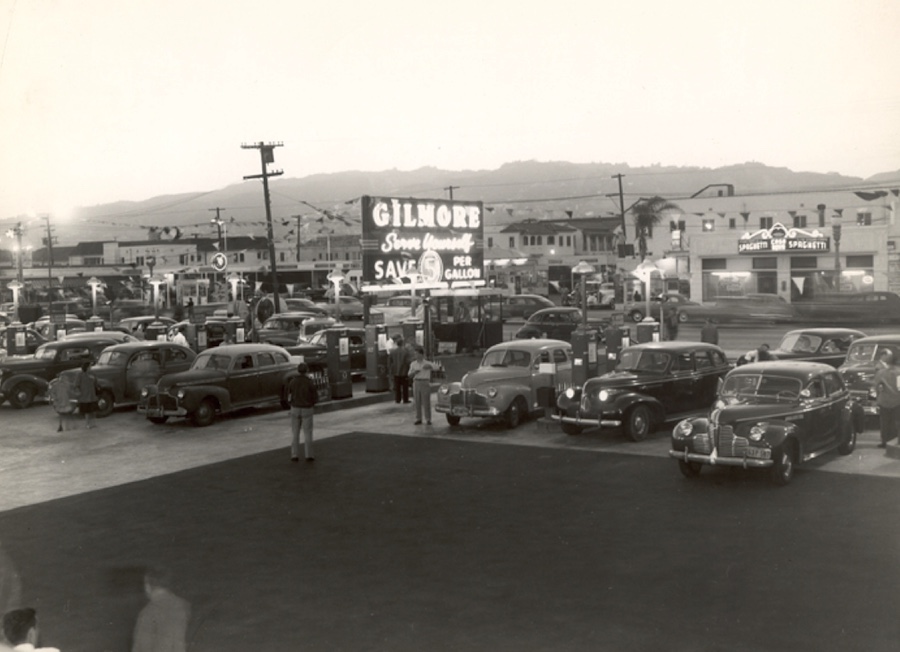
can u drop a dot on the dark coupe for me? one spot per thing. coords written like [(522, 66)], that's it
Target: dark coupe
[(827, 345), (653, 383), (771, 415)]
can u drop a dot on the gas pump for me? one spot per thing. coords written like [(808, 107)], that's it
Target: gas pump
[(414, 331), (376, 359), (202, 337), (584, 347), (94, 323), (155, 331), (235, 327), (648, 330), (337, 357), (15, 339)]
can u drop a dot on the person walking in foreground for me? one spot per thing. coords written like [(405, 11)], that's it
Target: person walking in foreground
[(303, 402), (887, 388), (399, 363), (21, 630), (87, 394), (420, 372), (162, 624)]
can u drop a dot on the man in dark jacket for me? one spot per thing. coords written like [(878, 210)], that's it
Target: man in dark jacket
[(399, 363), (710, 332), (303, 402)]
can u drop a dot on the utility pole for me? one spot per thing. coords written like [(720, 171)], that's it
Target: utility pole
[(621, 205), (17, 232), (50, 265), (267, 155), (450, 189), (298, 218)]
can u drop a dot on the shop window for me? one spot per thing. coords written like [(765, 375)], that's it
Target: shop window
[(490, 242), (540, 240), (860, 262), (512, 242), (732, 224), (767, 262), (864, 219), (551, 240), (709, 264), (804, 262), (568, 241), (766, 222), (799, 221)]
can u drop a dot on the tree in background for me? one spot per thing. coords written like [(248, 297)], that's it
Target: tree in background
[(649, 213)]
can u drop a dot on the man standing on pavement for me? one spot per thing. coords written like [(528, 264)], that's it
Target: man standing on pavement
[(162, 624), (420, 373), (399, 363), (710, 333), (887, 388), (304, 396), (21, 629)]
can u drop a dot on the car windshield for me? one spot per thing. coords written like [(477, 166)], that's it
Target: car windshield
[(754, 388), (506, 358), (112, 359), (44, 353), (800, 343), (870, 351), (273, 325), (211, 362), (654, 361)]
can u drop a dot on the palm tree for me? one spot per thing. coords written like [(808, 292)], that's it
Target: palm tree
[(648, 213)]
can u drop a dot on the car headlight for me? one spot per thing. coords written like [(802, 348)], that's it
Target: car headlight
[(757, 432), (492, 392), (683, 429), (604, 395), (570, 393), (445, 389), (145, 392), (179, 394)]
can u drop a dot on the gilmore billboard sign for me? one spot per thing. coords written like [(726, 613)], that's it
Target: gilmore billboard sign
[(438, 242)]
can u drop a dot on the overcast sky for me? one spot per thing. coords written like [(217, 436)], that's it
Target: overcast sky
[(102, 100)]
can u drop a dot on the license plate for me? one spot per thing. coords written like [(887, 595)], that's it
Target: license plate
[(759, 453), (459, 411)]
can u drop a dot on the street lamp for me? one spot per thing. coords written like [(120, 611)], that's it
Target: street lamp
[(15, 286), (583, 268), (836, 236), (234, 280), (94, 282)]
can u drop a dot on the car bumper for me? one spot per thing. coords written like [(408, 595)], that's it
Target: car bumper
[(714, 460), (468, 404), (586, 422)]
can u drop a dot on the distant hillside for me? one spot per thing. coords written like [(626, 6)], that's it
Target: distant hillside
[(522, 189)]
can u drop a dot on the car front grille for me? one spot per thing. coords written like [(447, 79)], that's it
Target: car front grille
[(729, 445)]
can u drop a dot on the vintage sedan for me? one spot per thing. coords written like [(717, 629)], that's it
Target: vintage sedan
[(122, 370), (221, 380), (557, 323), (508, 382), (653, 383), (771, 415), (517, 306), (753, 308), (284, 327), (826, 345), (858, 370), (24, 378)]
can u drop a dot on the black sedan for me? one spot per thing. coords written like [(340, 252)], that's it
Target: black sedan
[(826, 345), (653, 383), (557, 323), (771, 415)]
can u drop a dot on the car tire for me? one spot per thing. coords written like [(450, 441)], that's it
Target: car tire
[(22, 395), (849, 444), (515, 413), (105, 403), (158, 420), (689, 469), (638, 422), (205, 413), (571, 429), (783, 470), (636, 316), (452, 420)]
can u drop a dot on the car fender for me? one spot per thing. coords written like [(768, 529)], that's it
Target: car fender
[(117, 388), (506, 394), (452, 388), (195, 394), (625, 401), (566, 404), (41, 383)]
